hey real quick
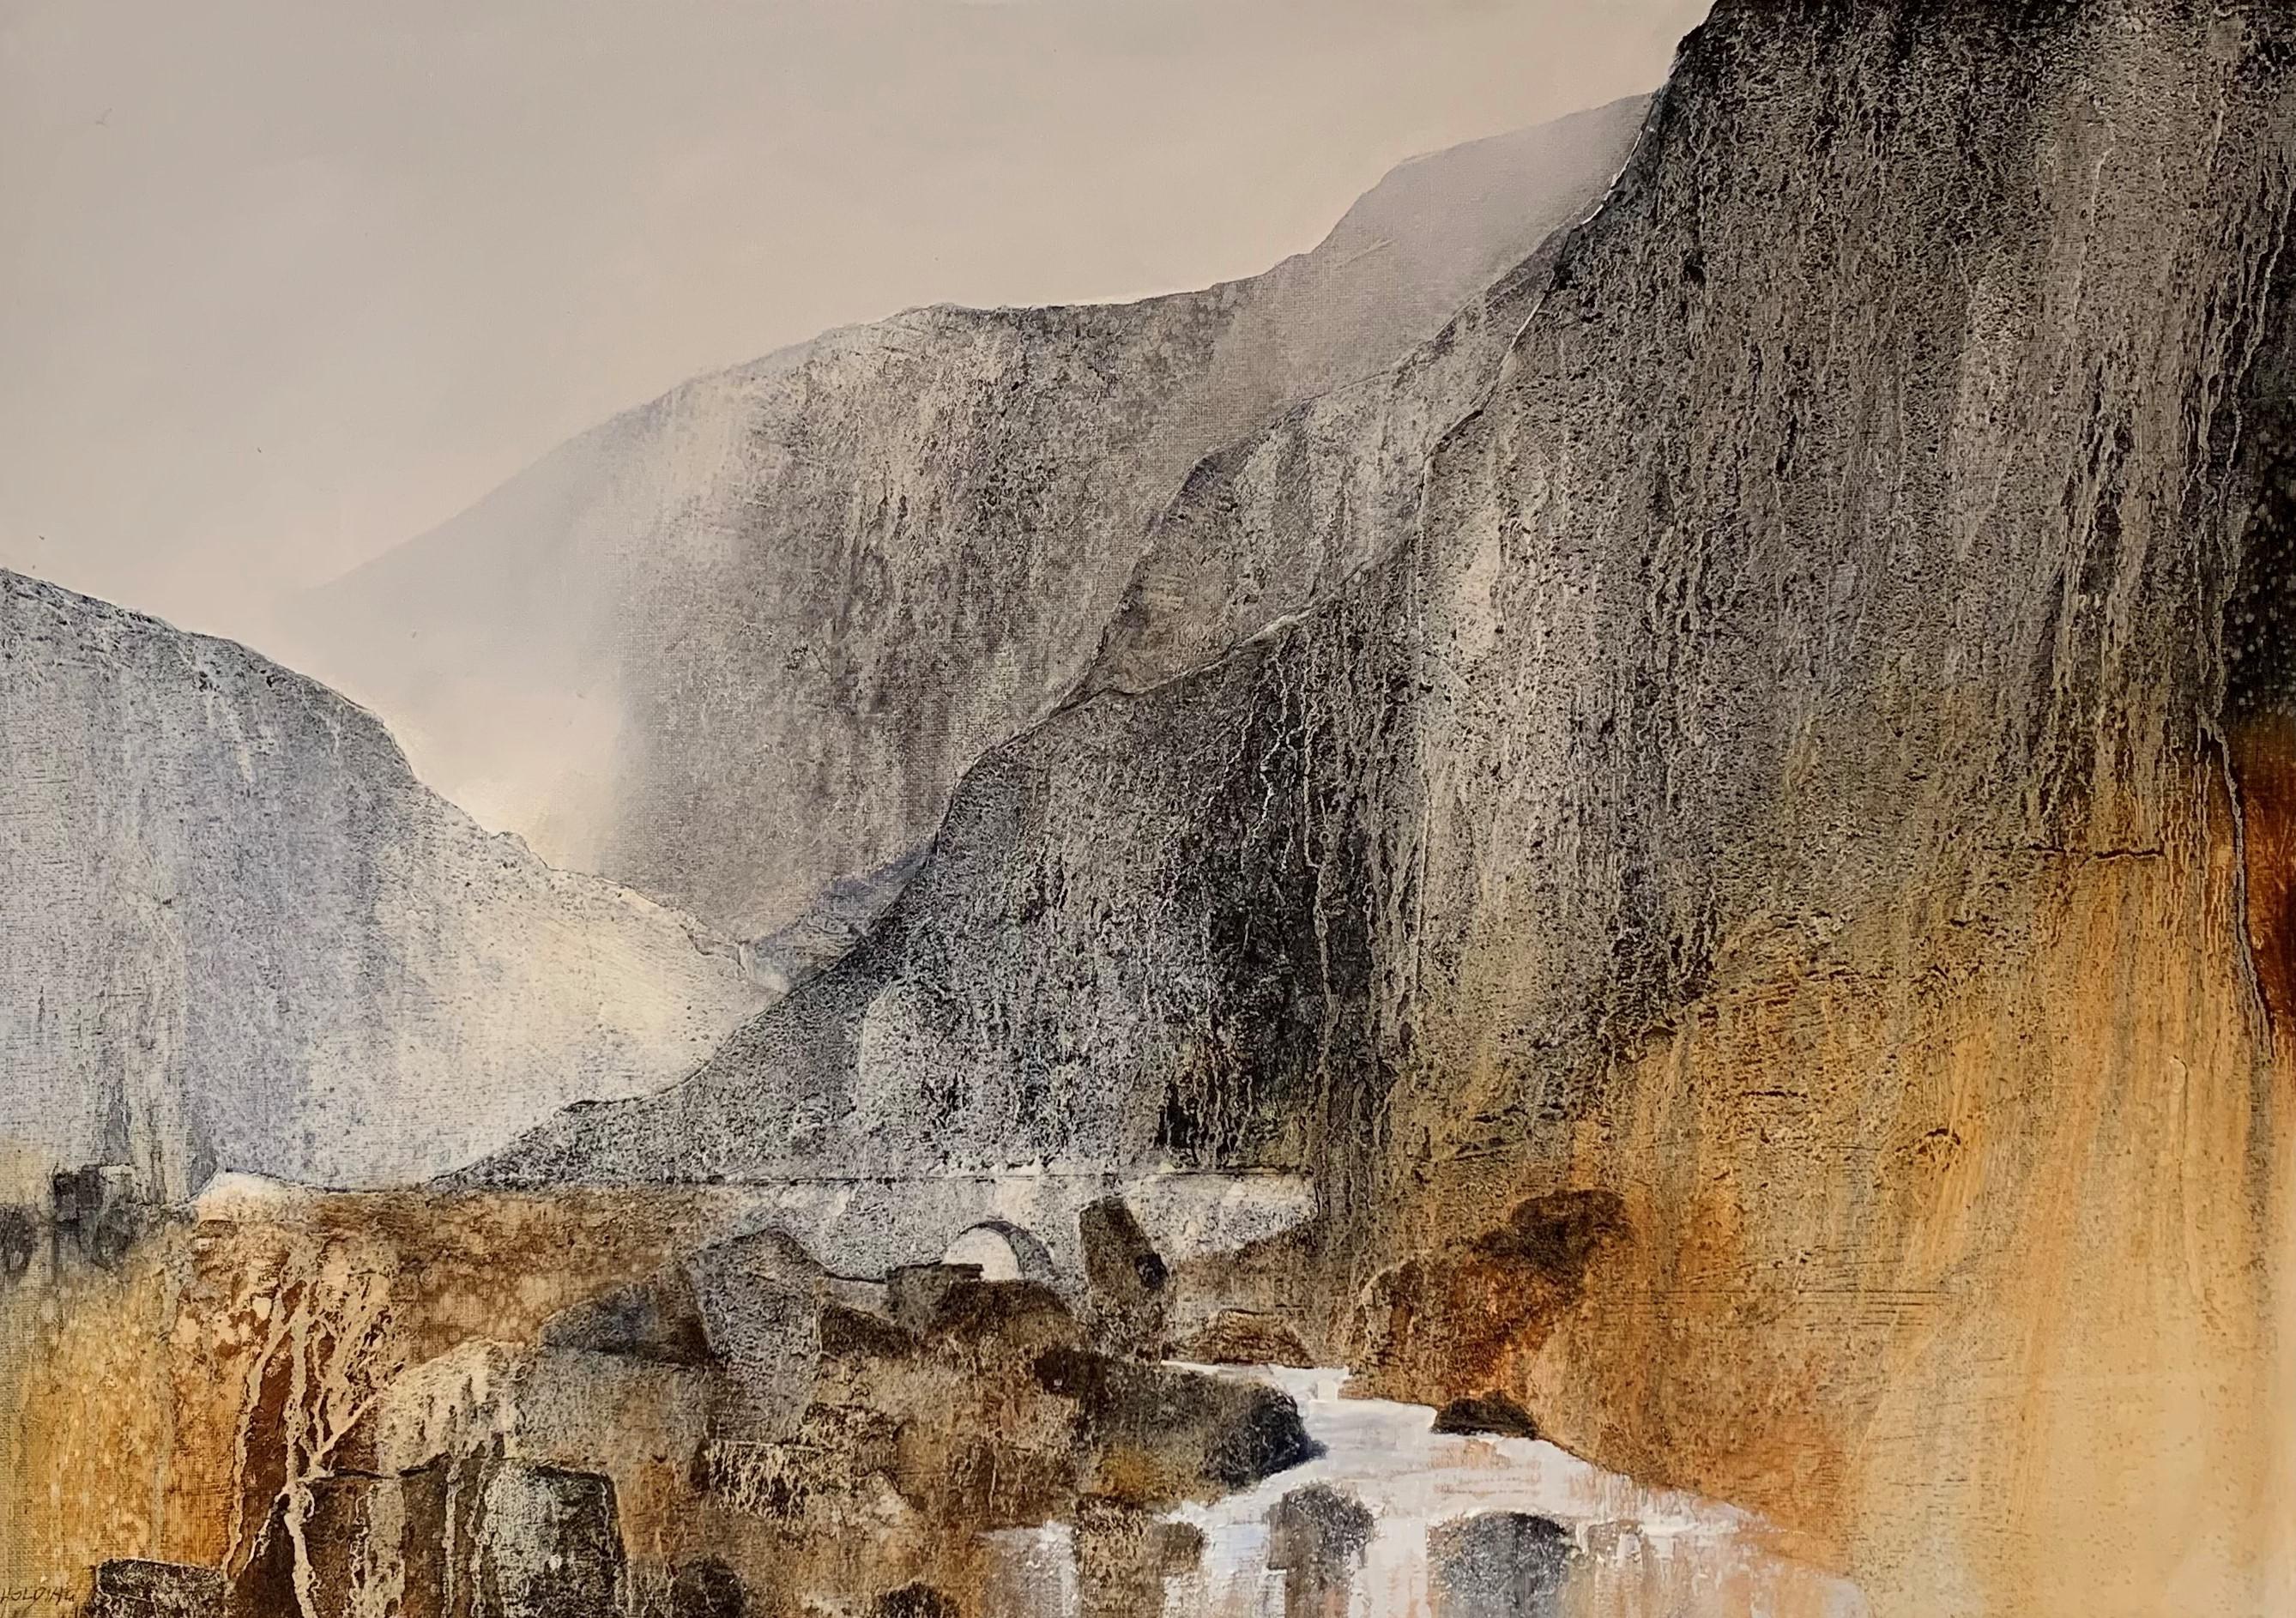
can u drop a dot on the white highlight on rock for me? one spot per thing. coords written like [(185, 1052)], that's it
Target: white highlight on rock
[(1638, 1552)]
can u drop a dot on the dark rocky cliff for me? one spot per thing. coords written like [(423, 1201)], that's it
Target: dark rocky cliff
[(1754, 867), (236, 932), (735, 648), (1725, 610)]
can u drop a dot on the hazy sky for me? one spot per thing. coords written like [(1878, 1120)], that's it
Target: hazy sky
[(283, 282)]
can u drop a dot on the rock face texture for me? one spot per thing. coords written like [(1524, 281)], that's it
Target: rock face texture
[(734, 648), (1500, 1564), (131, 1589), (236, 931), (1759, 864)]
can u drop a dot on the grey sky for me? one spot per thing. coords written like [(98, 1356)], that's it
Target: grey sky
[(283, 283)]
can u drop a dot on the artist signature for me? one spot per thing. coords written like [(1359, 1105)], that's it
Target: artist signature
[(15, 1596)]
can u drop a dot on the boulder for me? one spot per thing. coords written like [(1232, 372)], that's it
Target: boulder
[(706, 1588), (1316, 1537), (762, 1319), (1126, 1283), (1499, 1565), (656, 1318), (352, 1544), (1492, 1413), (550, 1545), (1123, 1556), (1245, 1337), (127, 1587), (1161, 1434)]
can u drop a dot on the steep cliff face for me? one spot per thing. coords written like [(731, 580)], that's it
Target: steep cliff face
[(737, 646), (1742, 902), (1269, 525), (236, 932)]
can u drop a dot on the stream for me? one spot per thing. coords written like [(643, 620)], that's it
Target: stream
[(1395, 1520)]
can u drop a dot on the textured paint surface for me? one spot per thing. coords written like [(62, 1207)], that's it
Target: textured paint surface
[(1773, 783), (1690, 877), (236, 932), (737, 645)]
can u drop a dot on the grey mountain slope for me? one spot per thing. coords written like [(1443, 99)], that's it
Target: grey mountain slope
[(236, 932), (736, 646), (1799, 557)]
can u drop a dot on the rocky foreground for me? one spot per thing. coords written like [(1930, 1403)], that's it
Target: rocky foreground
[(276, 1403)]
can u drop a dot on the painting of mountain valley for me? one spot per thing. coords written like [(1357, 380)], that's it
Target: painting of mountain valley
[(1469, 809)]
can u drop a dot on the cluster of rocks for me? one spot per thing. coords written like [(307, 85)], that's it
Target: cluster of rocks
[(745, 1430), (489, 1538), (544, 1541), (1488, 1564)]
